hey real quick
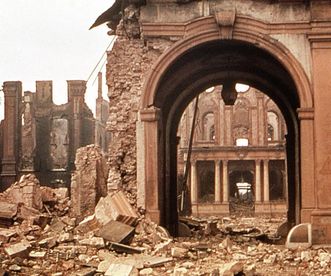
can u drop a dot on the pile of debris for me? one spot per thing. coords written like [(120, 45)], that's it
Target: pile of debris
[(39, 236)]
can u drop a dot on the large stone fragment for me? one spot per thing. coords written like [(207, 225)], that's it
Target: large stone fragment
[(115, 206), (120, 269), (115, 231), (20, 249), (7, 213), (27, 191), (89, 181), (231, 269), (6, 234)]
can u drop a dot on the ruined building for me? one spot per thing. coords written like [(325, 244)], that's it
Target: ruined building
[(238, 154), (167, 52), (40, 137)]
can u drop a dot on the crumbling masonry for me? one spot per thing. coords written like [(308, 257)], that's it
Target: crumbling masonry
[(169, 51)]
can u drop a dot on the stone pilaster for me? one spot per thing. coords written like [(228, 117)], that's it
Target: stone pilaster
[(11, 131)]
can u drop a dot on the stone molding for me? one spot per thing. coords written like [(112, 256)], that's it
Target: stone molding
[(306, 113), (150, 114), (225, 20), (209, 31)]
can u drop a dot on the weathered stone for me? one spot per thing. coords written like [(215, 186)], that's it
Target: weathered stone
[(93, 241), (180, 271), (120, 269), (121, 248), (20, 249), (6, 234), (89, 224), (89, 181), (146, 271), (49, 242), (231, 269), (157, 261), (115, 231), (104, 265), (37, 254), (115, 206), (178, 252), (7, 213)]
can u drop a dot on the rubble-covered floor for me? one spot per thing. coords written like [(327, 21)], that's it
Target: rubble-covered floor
[(40, 236)]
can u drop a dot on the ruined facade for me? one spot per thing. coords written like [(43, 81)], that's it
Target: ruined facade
[(168, 52), (237, 162), (41, 137)]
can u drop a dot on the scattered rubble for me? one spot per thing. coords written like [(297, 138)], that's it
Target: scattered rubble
[(44, 239)]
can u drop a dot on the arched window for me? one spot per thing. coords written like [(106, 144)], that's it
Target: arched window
[(208, 133), (273, 126)]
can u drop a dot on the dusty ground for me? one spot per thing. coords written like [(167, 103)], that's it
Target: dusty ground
[(208, 252)]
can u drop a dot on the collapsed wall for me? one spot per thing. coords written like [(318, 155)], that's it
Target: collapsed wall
[(128, 65)]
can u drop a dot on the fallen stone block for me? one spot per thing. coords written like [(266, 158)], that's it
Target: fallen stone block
[(37, 254), (87, 225), (116, 231), (7, 213), (49, 242), (20, 249), (121, 248), (178, 252), (97, 242), (115, 206), (231, 269), (121, 269), (6, 234), (155, 261)]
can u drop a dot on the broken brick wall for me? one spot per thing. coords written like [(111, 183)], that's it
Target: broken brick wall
[(128, 65)]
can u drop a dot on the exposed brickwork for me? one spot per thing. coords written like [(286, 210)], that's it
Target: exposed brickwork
[(88, 182), (128, 65)]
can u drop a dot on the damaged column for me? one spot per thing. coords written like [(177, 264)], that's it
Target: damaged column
[(11, 133)]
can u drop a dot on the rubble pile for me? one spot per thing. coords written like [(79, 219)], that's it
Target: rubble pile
[(118, 240)]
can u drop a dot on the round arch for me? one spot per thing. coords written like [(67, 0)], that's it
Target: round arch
[(193, 65)]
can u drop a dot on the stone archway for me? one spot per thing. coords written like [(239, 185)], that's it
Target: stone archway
[(205, 59)]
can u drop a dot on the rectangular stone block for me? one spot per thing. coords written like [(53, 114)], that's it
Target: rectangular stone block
[(115, 206), (20, 249), (115, 231)]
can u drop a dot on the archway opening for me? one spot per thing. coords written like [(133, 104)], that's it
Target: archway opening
[(207, 65)]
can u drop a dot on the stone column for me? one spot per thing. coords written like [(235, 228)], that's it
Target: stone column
[(258, 180), (217, 181), (225, 181), (265, 180), (194, 184), (11, 131), (308, 188), (76, 93), (150, 118)]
